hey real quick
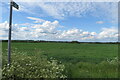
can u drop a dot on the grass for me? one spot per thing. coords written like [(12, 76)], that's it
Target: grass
[(81, 60)]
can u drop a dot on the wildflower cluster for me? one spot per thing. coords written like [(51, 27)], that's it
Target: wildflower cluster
[(24, 66)]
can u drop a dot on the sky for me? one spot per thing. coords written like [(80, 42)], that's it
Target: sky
[(61, 21)]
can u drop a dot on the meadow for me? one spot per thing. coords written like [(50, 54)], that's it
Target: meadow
[(81, 60)]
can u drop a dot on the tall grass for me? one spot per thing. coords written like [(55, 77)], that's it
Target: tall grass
[(104, 69)]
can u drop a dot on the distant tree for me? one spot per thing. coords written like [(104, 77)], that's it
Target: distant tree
[(74, 42)]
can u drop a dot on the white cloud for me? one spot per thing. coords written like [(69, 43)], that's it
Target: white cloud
[(4, 30), (61, 10), (4, 26), (108, 11), (37, 20), (108, 33), (46, 27), (85, 33), (93, 33), (47, 30), (72, 34)]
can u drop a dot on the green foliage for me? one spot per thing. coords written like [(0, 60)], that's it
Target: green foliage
[(68, 52), (80, 60), (104, 69), (24, 66)]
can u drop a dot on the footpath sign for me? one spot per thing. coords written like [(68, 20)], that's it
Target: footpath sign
[(12, 4)]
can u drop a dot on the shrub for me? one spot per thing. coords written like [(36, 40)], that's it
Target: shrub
[(24, 66)]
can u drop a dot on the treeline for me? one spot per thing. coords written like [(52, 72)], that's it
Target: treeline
[(43, 41)]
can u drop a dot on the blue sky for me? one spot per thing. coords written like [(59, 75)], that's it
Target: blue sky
[(81, 21)]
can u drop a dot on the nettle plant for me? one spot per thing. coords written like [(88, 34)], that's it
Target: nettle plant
[(24, 66)]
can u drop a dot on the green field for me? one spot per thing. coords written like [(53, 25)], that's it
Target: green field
[(81, 60)]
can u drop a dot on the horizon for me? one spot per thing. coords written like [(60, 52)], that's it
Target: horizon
[(65, 41)]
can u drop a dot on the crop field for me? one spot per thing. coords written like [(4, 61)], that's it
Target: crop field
[(81, 60)]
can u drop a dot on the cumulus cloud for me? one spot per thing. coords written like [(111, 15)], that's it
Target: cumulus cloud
[(4, 30), (48, 30), (108, 33)]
